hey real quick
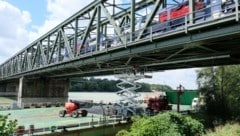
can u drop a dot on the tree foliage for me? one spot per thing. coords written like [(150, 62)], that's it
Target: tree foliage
[(7, 127), (221, 88), (165, 124), (105, 85), (158, 87)]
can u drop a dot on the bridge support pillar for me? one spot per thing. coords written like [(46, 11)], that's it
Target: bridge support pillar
[(42, 92), (20, 89)]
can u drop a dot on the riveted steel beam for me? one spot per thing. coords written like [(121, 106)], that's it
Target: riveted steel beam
[(87, 31), (150, 17), (132, 20), (54, 45), (43, 55), (113, 23), (191, 11), (99, 32), (67, 45)]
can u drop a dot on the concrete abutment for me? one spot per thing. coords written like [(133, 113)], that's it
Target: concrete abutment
[(42, 91), (39, 91), (8, 89)]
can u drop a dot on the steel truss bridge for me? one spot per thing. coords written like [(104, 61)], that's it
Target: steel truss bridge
[(106, 37)]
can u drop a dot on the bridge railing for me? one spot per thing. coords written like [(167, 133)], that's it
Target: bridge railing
[(203, 16), (102, 121)]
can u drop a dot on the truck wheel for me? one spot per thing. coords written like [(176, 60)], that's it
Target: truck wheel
[(62, 113), (84, 113), (75, 114)]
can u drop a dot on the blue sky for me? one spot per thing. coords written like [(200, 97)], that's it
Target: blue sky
[(37, 8), (23, 21)]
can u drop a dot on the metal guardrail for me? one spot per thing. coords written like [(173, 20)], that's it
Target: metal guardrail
[(104, 121)]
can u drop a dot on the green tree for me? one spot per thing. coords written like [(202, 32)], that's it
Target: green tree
[(206, 79), (158, 87), (7, 127), (144, 87), (165, 124), (105, 85), (221, 88)]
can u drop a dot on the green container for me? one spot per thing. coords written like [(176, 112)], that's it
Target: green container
[(185, 98)]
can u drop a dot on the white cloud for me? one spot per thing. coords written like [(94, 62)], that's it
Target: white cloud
[(173, 78), (13, 34), (58, 11)]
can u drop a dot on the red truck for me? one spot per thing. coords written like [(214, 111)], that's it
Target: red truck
[(157, 104)]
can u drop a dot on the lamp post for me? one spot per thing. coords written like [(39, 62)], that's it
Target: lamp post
[(179, 93)]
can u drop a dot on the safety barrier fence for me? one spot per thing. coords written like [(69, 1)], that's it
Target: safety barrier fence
[(103, 121)]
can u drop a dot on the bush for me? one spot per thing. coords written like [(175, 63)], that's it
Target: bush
[(166, 124), (7, 127)]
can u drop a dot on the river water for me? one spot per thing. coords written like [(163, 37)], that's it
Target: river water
[(104, 97)]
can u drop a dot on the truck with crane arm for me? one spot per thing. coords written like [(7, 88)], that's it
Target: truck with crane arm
[(73, 109)]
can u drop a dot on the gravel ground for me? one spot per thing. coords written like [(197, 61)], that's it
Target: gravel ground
[(98, 109)]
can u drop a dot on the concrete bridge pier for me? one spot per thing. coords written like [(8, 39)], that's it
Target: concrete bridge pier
[(42, 91)]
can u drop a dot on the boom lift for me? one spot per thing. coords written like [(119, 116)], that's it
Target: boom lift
[(73, 108)]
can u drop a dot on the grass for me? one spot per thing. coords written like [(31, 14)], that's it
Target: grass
[(229, 129)]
